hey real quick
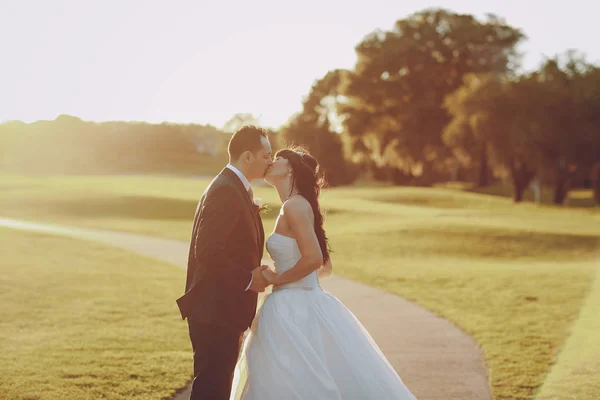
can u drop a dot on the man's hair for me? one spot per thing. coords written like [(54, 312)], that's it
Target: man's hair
[(247, 138)]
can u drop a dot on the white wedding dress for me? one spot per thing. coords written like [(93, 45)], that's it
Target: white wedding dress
[(305, 344)]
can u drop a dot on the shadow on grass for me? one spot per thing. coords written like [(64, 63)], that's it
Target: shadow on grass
[(481, 243), (423, 200), (138, 207)]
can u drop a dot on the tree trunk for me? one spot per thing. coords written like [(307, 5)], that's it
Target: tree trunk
[(595, 178), (518, 193), (428, 176), (520, 182), (378, 173), (560, 191), (521, 176), (562, 184), (398, 177), (483, 179)]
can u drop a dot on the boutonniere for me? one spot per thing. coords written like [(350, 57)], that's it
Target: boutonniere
[(260, 205)]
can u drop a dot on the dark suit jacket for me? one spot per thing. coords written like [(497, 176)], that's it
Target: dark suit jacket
[(227, 243)]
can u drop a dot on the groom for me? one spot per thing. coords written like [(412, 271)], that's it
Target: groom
[(224, 265)]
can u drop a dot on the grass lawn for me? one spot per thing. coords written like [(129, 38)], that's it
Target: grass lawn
[(83, 321), (159, 206), (575, 376), (515, 277)]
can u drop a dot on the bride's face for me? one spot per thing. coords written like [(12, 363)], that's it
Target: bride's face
[(280, 170)]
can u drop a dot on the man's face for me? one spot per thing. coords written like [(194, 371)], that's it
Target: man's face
[(263, 159)]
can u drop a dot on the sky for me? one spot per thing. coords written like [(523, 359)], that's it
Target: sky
[(202, 61)]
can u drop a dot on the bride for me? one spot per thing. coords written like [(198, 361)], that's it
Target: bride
[(304, 343)]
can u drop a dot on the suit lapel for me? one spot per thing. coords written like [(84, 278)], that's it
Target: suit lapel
[(255, 217), (252, 209), (261, 232)]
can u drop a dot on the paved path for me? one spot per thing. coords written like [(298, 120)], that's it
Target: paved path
[(435, 359)]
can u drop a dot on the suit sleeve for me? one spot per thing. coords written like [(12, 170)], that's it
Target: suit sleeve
[(218, 218)]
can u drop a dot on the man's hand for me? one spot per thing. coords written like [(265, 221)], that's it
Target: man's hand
[(269, 275), (259, 283)]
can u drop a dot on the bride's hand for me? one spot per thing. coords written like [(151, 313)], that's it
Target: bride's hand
[(269, 275)]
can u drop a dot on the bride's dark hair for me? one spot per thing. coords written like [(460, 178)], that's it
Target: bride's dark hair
[(307, 178)]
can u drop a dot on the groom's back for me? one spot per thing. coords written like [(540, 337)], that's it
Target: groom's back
[(212, 292)]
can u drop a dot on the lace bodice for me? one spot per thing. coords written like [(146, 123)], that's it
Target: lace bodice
[(285, 254)]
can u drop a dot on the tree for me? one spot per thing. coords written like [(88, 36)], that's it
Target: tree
[(70, 145), (565, 115), (589, 106), (239, 120), (544, 123), (312, 127), (474, 108), (488, 126), (395, 94)]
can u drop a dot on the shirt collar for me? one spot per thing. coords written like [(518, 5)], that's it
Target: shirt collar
[(240, 175)]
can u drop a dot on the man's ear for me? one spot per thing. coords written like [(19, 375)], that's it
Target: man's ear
[(247, 156)]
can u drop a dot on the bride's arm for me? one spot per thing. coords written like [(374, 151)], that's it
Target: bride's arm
[(299, 216), (325, 269)]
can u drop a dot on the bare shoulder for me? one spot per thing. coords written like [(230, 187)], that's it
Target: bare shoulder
[(297, 205)]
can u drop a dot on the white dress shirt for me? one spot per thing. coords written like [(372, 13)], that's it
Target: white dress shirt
[(246, 183), (240, 175)]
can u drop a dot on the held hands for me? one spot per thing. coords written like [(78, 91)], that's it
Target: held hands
[(259, 283), (269, 276)]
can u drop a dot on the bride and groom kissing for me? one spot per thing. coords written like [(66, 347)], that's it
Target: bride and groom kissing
[(303, 343)]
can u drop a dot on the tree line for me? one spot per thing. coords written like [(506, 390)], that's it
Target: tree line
[(440, 97), (71, 145)]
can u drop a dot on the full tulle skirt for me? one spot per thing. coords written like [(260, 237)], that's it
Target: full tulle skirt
[(306, 345)]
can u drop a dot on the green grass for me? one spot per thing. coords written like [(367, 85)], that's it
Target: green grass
[(159, 206), (83, 321), (513, 276), (575, 376)]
